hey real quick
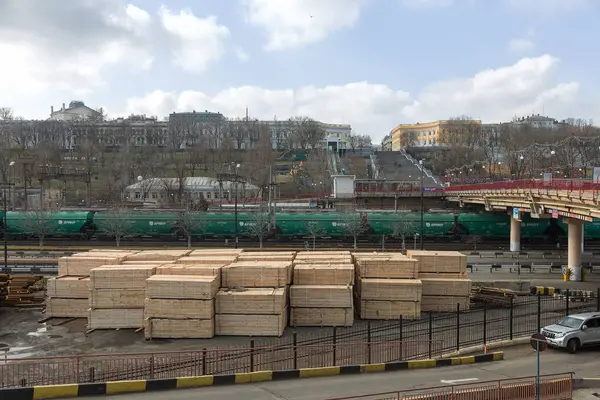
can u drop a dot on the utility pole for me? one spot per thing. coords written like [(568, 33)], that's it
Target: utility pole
[(422, 204)]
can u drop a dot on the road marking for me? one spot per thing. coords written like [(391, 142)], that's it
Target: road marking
[(452, 382)]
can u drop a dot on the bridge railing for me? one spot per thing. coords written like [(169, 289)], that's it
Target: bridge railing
[(555, 184)]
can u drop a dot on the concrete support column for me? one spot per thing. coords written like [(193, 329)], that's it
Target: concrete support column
[(515, 235), (582, 239), (575, 235)]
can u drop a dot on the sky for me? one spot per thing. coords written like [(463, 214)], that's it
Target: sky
[(370, 63)]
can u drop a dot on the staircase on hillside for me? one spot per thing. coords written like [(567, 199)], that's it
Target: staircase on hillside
[(396, 165)]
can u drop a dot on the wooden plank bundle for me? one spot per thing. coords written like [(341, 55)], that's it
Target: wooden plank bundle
[(389, 309), (443, 294), (68, 287), (440, 262), (191, 269), (386, 265), (159, 255), (215, 252), (333, 305), (323, 274), (267, 256), (117, 296), (251, 312), (82, 265), (389, 298), (180, 306), (309, 257), (256, 274), (207, 260), (251, 325), (67, 308), (21, 290)]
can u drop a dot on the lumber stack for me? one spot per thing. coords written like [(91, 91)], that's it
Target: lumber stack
[(267, 256), (158, 255), (444, 278), (216, 252), (207, 260), (117, 296), (321, 294), (180, 306), (80, 264), (251, 312), (387, 287), (20, 290), (253, 301), (320, 257), (67, 297)]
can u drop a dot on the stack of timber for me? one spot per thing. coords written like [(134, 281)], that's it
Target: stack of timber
[(251, 312), (68, 297), (208, 259), (253, 301), (117, 296), (267, 256), (191, 269), (80, 264), (20, 291), (387, 287), (493, 296), (320, 257), (445, 282), (322, 290), (159, 255), (180, 306), (216, 252)]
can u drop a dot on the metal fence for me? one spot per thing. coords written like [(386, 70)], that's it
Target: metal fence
[(431, 336), (552, 387)]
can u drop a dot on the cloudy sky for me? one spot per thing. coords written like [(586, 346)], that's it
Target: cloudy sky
[(371, 63)]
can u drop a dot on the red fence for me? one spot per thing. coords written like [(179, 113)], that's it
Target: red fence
[(89, 368), (552, 387), (555, 184)]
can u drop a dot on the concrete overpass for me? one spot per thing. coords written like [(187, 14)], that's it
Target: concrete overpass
[(575, 201)]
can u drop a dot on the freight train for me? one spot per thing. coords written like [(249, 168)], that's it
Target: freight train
[(83, 225)]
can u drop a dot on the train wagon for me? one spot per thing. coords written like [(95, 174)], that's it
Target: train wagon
[(135, 225), (222, 225), (326, 224), (71, 224), (435, 225)]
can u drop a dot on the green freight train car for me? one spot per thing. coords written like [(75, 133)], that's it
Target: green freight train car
[(27, 224)]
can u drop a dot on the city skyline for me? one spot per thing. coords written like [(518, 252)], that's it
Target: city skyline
[(341, 62)]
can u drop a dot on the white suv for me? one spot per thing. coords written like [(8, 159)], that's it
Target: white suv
[(574, 331)]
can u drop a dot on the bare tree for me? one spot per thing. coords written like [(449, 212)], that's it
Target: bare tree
[(190, 223), (306, 132), (116, 223), (39, 224), (402, 229), (354, 225), (314, 231), (6, 114), (260, 226)]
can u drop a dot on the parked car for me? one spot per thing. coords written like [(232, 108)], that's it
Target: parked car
[(574, 332)]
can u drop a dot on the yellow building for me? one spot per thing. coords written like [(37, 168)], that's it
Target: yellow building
[(436, 134)]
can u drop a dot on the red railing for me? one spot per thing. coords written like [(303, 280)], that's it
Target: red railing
[(556, 184), (552, 387), (89, 368)]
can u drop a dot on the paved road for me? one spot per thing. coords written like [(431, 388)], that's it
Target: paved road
[(520, 361)]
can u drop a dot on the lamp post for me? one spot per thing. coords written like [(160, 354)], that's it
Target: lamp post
[(521, 167), (552, 153), (422, 205), (235, 205), (4, 209)]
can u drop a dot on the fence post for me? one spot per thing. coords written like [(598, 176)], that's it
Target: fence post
[(457, 326), (511, 316), (430, 334), (369, 341), (539, 313), (295, 344), (91, 373), (401, 338), (152, 366), (568, 295), (251, 355), (484, 323), (334, 345), (598, 300), (204, 362)]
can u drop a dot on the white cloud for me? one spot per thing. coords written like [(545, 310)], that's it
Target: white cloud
[(520, 46), (295, 23), (427, 3), (241, 54), (493, 95), (201, 41), (545, 6)]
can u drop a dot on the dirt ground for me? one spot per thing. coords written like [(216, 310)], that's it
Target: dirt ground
[(21, 330)]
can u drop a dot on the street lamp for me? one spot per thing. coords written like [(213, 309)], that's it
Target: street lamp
[(522, 170), (422, 205), (552, 153), (4, 223), (235, 205)]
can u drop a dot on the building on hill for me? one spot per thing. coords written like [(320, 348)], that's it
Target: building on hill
[(539, 121), (386, 143), (443, 133), (165, 190), (77, 111)]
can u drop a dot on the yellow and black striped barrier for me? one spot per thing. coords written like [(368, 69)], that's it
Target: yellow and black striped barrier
[(544, 290), (121, 387)]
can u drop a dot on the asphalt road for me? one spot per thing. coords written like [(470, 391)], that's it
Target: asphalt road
[(519, 362)]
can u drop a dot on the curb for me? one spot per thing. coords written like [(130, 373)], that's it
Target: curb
[(120, 387), (586, 383)]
